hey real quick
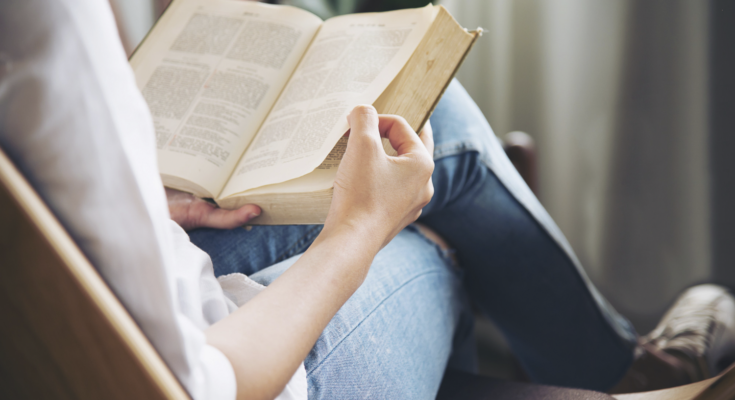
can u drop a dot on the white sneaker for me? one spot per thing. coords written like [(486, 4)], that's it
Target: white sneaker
[(700, 329)]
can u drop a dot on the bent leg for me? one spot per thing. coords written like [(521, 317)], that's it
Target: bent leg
[(392, 339), (248, 250), (519, 267)]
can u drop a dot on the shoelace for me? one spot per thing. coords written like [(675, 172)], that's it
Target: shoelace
[(689, 328)]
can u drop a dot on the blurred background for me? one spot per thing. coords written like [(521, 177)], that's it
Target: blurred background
[(632, 108)]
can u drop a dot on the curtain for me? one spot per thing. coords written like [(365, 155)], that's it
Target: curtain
[(615, 95)]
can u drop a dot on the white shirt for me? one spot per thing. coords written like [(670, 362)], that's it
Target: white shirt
[(73, 120)]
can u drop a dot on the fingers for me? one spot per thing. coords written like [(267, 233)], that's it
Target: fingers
[(427, 137), (191, 212), (209, 216), (401, 136), (363, 122)]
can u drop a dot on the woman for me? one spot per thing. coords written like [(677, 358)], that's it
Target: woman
[(410, 315), (372, 307)]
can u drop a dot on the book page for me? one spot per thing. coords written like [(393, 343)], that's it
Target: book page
[(351, 61), (210, 71), (321, 178)]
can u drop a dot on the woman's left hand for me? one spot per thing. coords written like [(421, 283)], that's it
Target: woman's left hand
[(192, 212)]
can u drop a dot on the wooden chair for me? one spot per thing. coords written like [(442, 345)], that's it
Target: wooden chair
[(66, 336), (521, 150)]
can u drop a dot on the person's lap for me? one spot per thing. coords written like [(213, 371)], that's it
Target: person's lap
[(253, 248), (393, 337), (518, 269)]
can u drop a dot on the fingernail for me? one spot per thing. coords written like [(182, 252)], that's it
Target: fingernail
[(253, 215)]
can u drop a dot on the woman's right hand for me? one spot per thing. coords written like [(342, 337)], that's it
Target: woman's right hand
[(376, 194)]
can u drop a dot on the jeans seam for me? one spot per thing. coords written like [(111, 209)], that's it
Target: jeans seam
[(452, 149), (368, 316)]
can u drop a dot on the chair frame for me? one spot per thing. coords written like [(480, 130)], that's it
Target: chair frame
[(65, 335)]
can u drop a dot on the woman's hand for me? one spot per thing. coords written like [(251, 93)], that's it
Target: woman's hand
[(192, 212), (376, 194)]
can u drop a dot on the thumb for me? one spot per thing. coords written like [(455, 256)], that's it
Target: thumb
[(363, 120)]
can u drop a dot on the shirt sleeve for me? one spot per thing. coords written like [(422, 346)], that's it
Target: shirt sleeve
[(219, 378), (73, 120)]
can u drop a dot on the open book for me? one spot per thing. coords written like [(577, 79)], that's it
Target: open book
[(250, 100)]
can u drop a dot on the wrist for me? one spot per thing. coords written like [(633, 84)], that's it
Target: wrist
[(350, 254), (364, 232)]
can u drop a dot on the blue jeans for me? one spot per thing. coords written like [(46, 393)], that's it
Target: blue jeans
[(411, 317)]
